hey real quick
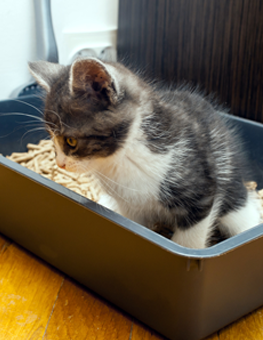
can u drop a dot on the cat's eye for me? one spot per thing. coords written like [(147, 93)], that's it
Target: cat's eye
[(72, 142)]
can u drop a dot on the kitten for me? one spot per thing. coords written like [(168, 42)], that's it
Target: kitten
[(164, 157)]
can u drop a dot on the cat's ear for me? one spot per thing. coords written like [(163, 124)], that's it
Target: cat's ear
[(93, 78), (45, 72)]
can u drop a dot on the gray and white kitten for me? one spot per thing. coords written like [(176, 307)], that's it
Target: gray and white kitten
[(163, 157)]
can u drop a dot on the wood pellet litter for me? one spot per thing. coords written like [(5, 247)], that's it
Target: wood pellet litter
[(41, 159), (252, 186)]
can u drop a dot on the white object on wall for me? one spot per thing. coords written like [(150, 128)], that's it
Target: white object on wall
[(95, 40), (70, 18)]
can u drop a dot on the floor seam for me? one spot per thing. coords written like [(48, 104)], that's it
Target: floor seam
[(50, 316), (5, 246), (130, 337)]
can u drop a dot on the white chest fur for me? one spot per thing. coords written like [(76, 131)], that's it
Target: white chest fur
[(133, 177)]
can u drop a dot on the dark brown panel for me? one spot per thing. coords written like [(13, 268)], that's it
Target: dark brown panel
[(216, 44)]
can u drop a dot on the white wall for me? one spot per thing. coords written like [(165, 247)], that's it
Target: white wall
[(18, 36)]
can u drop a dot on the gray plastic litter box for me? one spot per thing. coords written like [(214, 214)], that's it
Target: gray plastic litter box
[(182, 293)]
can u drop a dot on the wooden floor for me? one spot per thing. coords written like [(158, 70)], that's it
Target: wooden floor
[(38, 302)]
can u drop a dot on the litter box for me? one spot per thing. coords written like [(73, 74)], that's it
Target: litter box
[(182, 293)]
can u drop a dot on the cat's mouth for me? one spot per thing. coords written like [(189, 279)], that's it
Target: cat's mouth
[(61, 166), (60, 163), (75, 168)]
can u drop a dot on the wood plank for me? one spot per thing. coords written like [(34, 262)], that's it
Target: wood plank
[(28, 290), (34, 304), (80, 314), (249, 327)]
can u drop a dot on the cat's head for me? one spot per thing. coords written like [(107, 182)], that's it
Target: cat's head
[(88, 109)]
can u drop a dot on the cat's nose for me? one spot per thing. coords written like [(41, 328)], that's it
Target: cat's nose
[(61, 165)]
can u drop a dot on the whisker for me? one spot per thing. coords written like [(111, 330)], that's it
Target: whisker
[(47, 138), (120, 185), (43, 121), (21, 114), (89, 169), (20, 127), (32, 130), (103, 180), (59, 118), (8, 134), (28, 104), (61, 123), (40, 95), (30, 122)]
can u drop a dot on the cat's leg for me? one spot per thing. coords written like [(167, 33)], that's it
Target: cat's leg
[(242, 218), (198, 235), (109, 203), (195, 236)]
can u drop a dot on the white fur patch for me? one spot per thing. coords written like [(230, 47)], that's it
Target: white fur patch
[(244, 218), (197, 236), (61, 158), (132, 176), (194, 237), (108, 202)]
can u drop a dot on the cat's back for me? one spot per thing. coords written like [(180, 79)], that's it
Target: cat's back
[(194, 116)]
